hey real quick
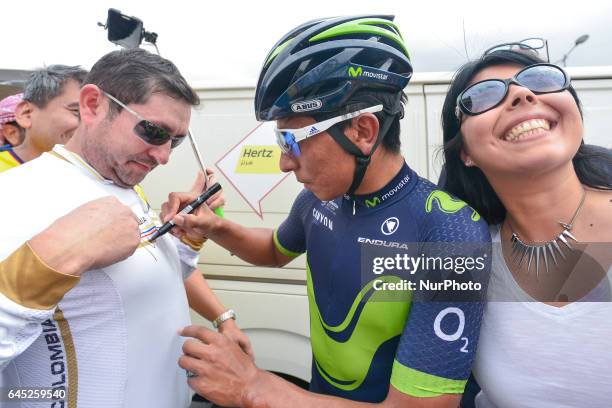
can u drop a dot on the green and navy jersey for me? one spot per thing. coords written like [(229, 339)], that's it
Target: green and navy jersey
[(360, 346)]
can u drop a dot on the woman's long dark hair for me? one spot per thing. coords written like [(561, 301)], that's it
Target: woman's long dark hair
[(592, 163)]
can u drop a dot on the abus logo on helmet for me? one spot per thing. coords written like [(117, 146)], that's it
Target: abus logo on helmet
[(306, 106)]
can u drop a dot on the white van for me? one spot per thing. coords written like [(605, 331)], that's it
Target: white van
[(271, 303)]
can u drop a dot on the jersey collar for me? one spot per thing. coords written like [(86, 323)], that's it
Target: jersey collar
[(397, 188), (61, 152)]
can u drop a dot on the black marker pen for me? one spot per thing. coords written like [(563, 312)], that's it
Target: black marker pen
[(188, 209)]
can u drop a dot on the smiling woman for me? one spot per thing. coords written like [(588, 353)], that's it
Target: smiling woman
[(469, 182), (514, 151)]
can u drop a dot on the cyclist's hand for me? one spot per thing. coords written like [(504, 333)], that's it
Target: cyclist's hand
[(199, 223)]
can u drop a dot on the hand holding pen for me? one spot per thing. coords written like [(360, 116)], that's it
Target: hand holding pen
[(189, 208), (176, 209)]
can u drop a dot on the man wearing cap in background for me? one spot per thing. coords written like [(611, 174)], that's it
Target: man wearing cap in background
[(11, 134)]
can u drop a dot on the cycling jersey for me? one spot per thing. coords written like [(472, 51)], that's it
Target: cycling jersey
[(112, 340), (8, 158), (360, 345)]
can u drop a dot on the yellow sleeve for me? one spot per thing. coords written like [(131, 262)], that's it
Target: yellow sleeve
[(27, 280)]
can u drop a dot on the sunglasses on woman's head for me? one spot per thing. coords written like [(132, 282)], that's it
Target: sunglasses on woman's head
[(535, 46), (488, 94), (147, 131)]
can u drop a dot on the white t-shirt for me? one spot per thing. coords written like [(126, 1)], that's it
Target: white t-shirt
[(113, 339), (533, 355)]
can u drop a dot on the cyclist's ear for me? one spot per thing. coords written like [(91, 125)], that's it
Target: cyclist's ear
[(363, 132)]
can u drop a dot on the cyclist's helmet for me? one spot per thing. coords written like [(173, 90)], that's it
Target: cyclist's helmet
[(316, 67)]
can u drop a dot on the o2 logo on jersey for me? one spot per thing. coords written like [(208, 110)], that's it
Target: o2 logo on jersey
[(457, 334), (389, 226)]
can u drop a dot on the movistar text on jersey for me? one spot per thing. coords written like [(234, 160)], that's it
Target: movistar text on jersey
[(411, 264), (397, 188)]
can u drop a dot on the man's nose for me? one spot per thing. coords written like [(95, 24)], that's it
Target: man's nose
[(287, 162), (161, 154)]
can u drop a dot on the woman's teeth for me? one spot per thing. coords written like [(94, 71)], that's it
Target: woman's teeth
[(524, 128)]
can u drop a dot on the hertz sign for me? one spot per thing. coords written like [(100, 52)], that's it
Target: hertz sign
[(255, 159)]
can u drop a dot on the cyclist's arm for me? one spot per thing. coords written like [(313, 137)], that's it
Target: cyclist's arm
[(253, 245), (271, 391), (216, 361), (258, 246)]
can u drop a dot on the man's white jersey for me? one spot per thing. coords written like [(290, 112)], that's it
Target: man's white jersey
[(112, 341)]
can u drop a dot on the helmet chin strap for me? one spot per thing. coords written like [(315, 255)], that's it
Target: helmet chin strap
[(362, 161)]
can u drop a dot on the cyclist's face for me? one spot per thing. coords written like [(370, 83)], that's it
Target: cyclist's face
[(323, 166)]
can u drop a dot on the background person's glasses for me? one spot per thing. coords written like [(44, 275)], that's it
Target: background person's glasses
[(147, 131), (534, 45), (486, 95), (288, 139)]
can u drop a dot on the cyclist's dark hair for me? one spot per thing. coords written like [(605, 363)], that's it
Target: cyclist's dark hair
[(393, 103)]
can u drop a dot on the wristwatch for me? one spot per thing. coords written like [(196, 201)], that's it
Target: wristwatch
[(228, 314)]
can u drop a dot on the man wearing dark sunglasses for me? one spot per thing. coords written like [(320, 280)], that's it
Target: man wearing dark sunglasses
[(112, 338), (335, 89)]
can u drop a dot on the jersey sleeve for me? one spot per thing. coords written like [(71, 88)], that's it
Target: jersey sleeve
[(438, 344), (437, 348), (290, 236), (29, 292)]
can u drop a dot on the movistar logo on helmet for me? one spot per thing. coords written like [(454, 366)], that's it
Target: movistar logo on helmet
[(355, 72), (306, 106)]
